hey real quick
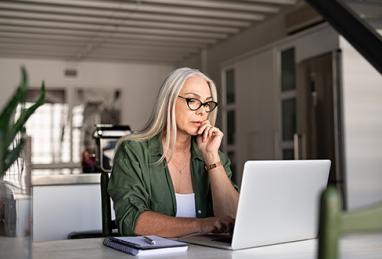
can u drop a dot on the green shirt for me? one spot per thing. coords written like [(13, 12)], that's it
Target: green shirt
[(136, 185)]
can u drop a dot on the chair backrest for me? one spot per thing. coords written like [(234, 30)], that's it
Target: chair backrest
[(334, 222), (109, 134)]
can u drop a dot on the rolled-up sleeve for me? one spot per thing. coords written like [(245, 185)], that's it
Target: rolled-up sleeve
[(227, 167), (127, 188)]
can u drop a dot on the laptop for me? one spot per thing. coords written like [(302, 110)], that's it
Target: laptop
[(279, 203)]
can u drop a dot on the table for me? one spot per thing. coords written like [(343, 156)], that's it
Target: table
[(352, 247)]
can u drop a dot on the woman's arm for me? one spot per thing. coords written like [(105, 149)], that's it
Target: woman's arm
[(154, 223), (225, 198)]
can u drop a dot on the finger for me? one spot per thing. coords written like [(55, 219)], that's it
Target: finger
[(202, 128), (206, 131), (212, 132), (205, 123)]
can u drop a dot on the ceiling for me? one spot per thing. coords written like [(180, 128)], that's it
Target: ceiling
[(165, 31), (370, 11)]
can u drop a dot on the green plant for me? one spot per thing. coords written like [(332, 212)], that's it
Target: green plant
[(10, 144)]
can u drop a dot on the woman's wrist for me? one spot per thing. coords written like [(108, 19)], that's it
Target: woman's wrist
[(209, 167), (198, 225), (211, 158)]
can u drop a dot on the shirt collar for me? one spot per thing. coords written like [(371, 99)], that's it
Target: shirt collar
[(155, 145), (195, 152)]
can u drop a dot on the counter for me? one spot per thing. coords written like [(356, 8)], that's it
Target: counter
[(69, 179), (65, 203)]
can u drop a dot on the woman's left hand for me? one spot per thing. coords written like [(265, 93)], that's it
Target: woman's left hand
[(209, 140)]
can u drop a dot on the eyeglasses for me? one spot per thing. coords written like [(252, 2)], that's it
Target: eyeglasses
[(195, 104)]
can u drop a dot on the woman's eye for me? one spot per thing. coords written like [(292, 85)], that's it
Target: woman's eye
[(191, 100)]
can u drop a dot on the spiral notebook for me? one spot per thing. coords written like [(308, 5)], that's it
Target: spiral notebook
[(136, 245)]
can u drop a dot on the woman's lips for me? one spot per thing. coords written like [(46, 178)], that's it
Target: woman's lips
[(197, 123)]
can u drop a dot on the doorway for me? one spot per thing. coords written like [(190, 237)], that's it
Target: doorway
[(319, 114)]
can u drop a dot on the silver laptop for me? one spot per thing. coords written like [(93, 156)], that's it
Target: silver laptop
[(279, 202)]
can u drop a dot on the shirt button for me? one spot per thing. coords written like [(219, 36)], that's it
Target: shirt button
[(199, 211)]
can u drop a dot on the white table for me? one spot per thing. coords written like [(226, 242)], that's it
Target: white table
[(354, 247)]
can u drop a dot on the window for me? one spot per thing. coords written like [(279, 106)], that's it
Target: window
[(288, 102), (62, 128), (55, 131)]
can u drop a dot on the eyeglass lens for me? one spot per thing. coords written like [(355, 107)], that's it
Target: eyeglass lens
[(195, 104)]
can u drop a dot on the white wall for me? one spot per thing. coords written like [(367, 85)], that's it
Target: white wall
[(258, 104), (362, 97), (255, 108), (139, 82)]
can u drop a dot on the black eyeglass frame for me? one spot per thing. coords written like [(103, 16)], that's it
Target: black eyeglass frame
[(205, 104)]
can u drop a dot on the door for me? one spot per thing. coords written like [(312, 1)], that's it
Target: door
[(319, 113)]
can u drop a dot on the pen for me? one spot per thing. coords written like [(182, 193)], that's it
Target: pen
[(149, 240)]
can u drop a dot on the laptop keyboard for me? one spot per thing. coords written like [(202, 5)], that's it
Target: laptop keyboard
[(225, 239)]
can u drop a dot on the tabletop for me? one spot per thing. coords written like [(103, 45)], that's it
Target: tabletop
[(352, 247)]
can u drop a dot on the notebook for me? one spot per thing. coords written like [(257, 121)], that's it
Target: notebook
[(136, 245), (278, 203)]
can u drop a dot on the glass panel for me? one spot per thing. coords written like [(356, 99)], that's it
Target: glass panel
[(369, 11), (45, 128), (231, 127), (289, 118), (230, 85), (288, 154), (288, 73)]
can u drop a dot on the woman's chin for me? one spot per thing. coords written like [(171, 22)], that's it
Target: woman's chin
[(193, 132)]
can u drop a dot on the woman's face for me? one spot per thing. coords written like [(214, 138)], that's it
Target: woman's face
[(187, 120)]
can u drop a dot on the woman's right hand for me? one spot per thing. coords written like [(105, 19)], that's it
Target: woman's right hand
[(222, 224)]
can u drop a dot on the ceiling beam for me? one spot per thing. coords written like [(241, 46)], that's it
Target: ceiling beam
[(108, 28), (104, 35), (55, 56), (280, 2), (113, 22), (233, 5), (84, 45), (75, 52), (34, 40), (148, 8), (16, 36), (96, 13)]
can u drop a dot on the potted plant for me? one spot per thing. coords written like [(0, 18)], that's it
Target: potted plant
[(15, 131), (12, 141)]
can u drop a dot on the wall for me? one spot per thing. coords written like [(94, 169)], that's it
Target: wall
[(255, 109), (247, 40), (139, 82), (258, 125), (362, 97)]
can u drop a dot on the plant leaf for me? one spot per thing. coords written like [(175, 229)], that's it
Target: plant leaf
[(17, 97), (24, 116), (13, 155)]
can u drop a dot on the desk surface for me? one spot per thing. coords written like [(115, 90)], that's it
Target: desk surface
[(365, 247)]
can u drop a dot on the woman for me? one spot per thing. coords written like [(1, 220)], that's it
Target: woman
[(171, 179)]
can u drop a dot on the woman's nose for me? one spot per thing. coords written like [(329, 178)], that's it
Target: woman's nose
[(202, 110)]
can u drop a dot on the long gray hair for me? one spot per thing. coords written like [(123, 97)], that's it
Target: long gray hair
[(163, 117)]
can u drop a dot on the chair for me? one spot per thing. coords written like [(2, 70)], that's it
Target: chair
[(334, 222), (109, 134)]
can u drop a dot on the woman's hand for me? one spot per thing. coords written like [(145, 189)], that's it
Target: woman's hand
[(209, 140), (222, 224)]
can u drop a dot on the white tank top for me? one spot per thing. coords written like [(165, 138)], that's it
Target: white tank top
[(185, 205)]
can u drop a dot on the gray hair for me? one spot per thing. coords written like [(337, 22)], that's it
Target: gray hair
[(163, 117)]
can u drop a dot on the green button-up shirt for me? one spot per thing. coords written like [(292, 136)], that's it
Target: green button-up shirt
[(137, 185)]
